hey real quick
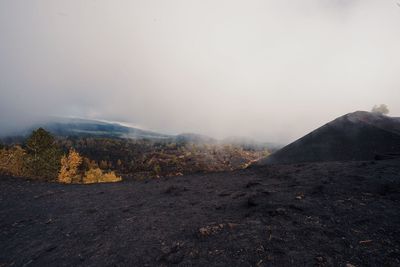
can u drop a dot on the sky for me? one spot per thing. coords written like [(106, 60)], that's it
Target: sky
[(271, 70)]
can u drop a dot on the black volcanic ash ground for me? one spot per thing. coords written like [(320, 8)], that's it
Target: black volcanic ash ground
[(321, 214)]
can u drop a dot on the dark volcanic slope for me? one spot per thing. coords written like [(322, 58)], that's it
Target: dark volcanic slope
[(318, 214), (355, 136)]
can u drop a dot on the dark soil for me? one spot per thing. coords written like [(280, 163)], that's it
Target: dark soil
[(320, 214)]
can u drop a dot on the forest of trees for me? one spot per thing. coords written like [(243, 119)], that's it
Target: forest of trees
[(42, 158), (93, 159), (143, 158)]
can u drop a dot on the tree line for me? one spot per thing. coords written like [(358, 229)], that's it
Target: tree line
[(147, 158), (40, 157), (82, 159)]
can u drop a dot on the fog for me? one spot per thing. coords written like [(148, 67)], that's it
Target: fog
[(270, 70)]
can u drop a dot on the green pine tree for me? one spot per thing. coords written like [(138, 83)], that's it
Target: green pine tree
[(44, 156)]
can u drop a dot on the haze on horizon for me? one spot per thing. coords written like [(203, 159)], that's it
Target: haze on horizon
[(271, 70)]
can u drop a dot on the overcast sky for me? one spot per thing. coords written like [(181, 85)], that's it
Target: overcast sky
[(271, 70)]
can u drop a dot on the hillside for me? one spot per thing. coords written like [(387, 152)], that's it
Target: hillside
[(355, 136), (85, 127)]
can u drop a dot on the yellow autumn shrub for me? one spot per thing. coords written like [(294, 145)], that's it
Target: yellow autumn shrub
[(69, 168), (12, 161), (92, 176), (110, 177), (96, 175)]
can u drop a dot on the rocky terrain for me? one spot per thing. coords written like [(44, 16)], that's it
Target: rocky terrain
[(315, 214)]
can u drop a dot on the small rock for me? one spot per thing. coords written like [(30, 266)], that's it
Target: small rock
[(281, 210), (210, 229), (175, 258), (172, 254), (238, 195), (365, 241), (251, 202), (51, 248), (224, 194), (194, 254), (204, 231), (232, 225), (254, 200), (218, 207), (252, 183)]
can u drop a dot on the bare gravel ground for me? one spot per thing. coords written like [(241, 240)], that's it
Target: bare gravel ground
[(319, 214)]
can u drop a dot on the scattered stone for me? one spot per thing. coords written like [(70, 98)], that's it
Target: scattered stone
[(238, 194), (232, 225), (175, 190), (81, 257), (194, 254), (48, 193), (252, 183), (27, 263), (266, 192), (211, 229), (172, 254), (255, 199), (91, 211), (280, 211), (252, 202), (218, 207), (224, 194), (295, 207), (317, 189), (51, 248)]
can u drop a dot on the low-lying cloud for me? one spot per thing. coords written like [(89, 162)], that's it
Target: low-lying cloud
[(271, 70)]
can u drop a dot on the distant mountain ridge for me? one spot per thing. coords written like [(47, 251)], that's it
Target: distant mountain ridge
[(78, 127), (359, 135), (86, 127)]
